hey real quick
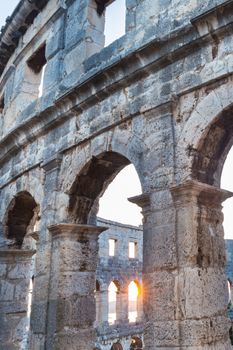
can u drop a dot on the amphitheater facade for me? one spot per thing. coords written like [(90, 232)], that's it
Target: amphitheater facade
[(160, 98)]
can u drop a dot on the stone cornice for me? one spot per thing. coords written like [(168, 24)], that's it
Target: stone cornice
[(142, 200), (64, 229), (225, 6), (195, 191), (15, 27), (16, 253), (151, 57)]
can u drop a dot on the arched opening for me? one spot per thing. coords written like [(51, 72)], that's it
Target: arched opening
[(213, 148), (227, 183), (21, 216), (87, 202), (90, 185), (210, 160), (229, 286), (98, 302), (113, 290), (116, 346), (21, 219), (133, 293), (136, 343)]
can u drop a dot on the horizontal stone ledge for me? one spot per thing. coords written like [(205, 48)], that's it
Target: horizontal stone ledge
[(35, 235), (205, 193), (14, 141), (9, 253), (215, 10), (142, 200), (75, 229)]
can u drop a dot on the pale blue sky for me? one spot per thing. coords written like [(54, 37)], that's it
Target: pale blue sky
[(128, 180), (7, 7)]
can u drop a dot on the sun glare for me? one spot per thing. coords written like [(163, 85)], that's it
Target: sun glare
[(133, 293), (112, 297)]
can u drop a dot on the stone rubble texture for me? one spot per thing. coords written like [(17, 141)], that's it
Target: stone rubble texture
[(160, 97)]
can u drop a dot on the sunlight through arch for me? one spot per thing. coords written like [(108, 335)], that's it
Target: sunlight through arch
[(227, 183), (114, 204), (133, 292), (112, 300)]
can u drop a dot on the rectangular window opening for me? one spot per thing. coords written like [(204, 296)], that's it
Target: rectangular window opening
[(132, 250), (115, 15), (37, 63), (112, 247)]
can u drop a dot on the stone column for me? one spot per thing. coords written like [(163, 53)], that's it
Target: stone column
[(49, 210), (122, 305), (102, 307), (84, 35), (184, 285), (72, 310), (16, 271), (201, 285)]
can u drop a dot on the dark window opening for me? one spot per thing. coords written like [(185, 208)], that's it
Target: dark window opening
[(101, 5), (136, 343), (30, 18), (38, 60), (37, 64), (20, 214), (2, 104), (116, 346)]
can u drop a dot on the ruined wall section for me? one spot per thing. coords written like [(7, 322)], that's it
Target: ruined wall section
[(123, 270), (73, 32), (151, 102)]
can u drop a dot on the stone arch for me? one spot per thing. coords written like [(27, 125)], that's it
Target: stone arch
[(134, 300), (120, 140), (90, 184), (21, 215), (212, 150), (116, 346), (113, 301), (208, 136), (117, 283), (136, 343)]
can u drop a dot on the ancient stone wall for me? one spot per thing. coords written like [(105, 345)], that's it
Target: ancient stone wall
[(160, 98), (123, 270)]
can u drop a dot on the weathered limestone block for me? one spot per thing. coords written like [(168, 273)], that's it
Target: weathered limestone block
[(102, 307), (201, 287), (14, 297), (72, 312), (122, 305)]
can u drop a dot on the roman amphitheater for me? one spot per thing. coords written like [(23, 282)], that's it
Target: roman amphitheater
[(74, 111)]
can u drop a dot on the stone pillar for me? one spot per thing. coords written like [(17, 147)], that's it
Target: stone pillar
[(122, 305), (184, 285), (201, 285), (72, 310), (16, 270), (84, 35), (50, 211), (102, 307)]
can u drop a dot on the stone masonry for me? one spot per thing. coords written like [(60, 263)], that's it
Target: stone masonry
[(160, 97), (122, 270)]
